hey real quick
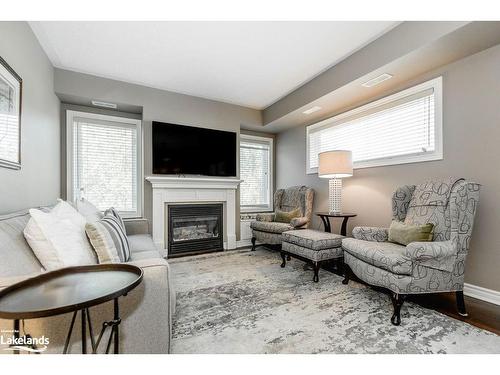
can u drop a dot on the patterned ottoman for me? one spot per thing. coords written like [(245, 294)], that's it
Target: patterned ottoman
[(311, 246)]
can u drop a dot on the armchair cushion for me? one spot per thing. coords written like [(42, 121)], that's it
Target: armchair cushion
[(270, 227), (298, 222), (386, 255), (370, 234), (265, 217), (439, 255)]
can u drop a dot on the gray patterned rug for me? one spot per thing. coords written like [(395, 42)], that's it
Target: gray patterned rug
[(243, 302)]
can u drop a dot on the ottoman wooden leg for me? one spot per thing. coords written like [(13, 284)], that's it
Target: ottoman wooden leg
[(283, 256), (316, 271)]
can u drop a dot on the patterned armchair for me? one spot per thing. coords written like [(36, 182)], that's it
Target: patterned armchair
[(267, 231), (419, 267)]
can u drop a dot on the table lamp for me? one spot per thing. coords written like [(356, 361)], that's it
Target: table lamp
[(335, 165)]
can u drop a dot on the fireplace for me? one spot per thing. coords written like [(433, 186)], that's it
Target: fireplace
[(194, 229)]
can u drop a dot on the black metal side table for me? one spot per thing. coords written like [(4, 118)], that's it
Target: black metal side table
[(325, 218), (72, 289)]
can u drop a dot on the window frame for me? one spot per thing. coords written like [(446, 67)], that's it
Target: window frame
[(270, 142), (137, 123), (435, 84)]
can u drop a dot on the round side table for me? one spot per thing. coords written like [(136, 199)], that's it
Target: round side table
[(72, 289), (325, 218)]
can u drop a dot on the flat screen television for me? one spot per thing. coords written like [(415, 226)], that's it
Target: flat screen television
[(187, 150)]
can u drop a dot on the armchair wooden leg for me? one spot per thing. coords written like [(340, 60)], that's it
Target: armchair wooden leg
[(253, 243), (347, 272), (461, 303), (283, 256), (397, 302), (316, 271)]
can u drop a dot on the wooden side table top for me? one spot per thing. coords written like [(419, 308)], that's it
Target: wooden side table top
[(68, 289), (330, 214), (325, 218)]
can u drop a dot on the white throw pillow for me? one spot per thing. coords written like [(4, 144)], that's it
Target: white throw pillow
[(58, 237), (88, 210)]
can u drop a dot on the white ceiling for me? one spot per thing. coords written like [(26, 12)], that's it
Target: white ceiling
[(252, 64)]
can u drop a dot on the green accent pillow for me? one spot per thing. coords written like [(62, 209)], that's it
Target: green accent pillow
[(286, 217), (403, 234)]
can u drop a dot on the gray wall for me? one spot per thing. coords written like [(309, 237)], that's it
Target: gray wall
[(471, 127), (157, 105), (37, 183)]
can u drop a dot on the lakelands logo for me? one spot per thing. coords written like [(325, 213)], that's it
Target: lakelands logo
[(24, 343)]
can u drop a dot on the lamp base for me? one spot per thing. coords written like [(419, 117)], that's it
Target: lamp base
[(335, 196)]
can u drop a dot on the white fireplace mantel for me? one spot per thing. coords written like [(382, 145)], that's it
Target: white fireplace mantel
[(172, 189)]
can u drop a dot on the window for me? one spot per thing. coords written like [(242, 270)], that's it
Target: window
[(401, 128), (104, 161), (256, 173)]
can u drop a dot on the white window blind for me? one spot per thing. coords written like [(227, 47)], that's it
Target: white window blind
[(401, 128), (106, 163), (255, 171), (9, 136)]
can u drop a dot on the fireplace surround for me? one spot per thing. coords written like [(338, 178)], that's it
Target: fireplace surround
[(172, 190)]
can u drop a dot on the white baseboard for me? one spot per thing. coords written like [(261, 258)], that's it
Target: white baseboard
[(484, 294), (243, 243)]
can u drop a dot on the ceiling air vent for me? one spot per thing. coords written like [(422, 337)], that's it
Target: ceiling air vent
[(311, 110), (98, 103), (375, 81)]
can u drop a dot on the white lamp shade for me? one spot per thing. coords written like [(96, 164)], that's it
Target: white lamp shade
[(335, 164)]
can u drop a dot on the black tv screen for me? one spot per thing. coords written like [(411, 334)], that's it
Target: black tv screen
[(187, 150)]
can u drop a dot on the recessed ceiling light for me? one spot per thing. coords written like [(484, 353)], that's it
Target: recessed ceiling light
[(98, 103), (375, 81), (311, 110)]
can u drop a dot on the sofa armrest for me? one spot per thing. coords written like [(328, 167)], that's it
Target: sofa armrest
[(136, 226), (298, 222), (374, 234), (265, 217), (440, 255)]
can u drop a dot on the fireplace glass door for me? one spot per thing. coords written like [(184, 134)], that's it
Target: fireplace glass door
[(194, 228)]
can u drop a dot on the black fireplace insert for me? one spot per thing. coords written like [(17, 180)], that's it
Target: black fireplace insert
[(194, 229)]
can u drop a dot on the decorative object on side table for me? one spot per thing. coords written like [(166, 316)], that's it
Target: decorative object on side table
[(11, 86), (335, 165), (325, 218), (72, 289)]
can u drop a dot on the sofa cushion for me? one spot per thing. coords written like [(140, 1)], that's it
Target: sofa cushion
[(313, 239), (141, 242), (16, 256), (270, 227), (150, 254), (386, 255)]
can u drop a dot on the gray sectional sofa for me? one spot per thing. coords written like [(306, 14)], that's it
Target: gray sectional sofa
[(146, 312)]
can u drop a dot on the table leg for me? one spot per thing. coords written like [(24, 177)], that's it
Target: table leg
[(343, 229), (16, 332), (117, 319), (84, 331), (326, 223)]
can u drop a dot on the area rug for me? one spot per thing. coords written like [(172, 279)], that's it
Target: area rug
[(243, 302)]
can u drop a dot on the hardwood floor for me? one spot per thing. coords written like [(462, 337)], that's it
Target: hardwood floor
[(481, 314)]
